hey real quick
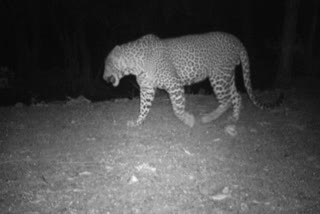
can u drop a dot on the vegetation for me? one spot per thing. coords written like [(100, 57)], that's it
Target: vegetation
[(58, 47)]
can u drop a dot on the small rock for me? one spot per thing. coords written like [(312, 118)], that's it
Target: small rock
[(133, 179)]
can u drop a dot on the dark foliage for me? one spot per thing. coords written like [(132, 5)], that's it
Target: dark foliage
[(57, 48)]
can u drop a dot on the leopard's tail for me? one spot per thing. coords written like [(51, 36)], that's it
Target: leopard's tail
[(247, 83)]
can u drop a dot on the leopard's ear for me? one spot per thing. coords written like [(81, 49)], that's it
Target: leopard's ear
[(116, 50), (150, 38)]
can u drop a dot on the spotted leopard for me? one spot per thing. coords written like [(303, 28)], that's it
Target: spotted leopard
[(170, 64)]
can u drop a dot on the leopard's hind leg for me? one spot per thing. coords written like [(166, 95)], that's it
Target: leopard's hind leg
[(223, 85), (177, 98)]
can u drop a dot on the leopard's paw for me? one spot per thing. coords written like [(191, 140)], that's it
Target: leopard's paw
[(189, 120), (133, 123), (206, 119)]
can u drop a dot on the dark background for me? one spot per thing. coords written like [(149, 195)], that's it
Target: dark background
[(51, 49)]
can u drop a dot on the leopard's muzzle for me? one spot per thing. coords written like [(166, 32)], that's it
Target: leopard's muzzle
[(111, 79)]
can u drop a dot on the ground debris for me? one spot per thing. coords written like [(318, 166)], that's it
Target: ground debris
[(231, 130), (78, 100), (145, 167), (83, 159)]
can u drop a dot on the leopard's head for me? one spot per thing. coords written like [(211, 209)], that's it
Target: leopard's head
[(114, 67)]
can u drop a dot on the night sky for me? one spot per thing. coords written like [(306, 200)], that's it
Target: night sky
[(57, 47)]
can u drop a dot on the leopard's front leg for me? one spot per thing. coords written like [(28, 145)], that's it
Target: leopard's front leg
[(146, 98)]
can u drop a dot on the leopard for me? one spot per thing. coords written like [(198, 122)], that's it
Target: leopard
[(171, 64)]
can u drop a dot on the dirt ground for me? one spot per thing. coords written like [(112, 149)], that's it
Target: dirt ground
[(80, 157)]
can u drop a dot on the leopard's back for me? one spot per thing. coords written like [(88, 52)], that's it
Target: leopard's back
[(195, 57)]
